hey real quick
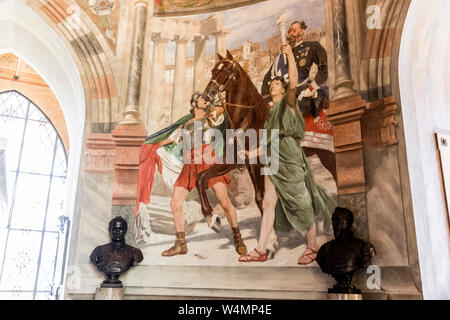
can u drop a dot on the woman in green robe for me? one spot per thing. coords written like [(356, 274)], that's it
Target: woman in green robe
[(292, 199)]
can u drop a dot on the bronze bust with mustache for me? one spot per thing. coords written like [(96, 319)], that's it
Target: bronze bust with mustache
[(116, 257)]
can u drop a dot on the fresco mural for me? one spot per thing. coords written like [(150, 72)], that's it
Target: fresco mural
[(358, 128), (181, 7), (105, 14), (254, 42)]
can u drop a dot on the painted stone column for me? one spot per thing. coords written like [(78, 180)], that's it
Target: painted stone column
[(131, 114), (199, 63), (130, 133), (179, 89), (344, 83), (157, 80), (345, 114), (221, 43)]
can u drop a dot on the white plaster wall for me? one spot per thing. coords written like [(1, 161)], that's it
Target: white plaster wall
[(424, 74), (28, 36)]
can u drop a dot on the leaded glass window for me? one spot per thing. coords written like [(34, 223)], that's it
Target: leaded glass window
[(33, 235)]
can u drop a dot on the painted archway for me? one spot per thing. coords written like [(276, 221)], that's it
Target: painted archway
[(62, 44)]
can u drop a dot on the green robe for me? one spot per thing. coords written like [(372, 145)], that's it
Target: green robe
[(300, 199)]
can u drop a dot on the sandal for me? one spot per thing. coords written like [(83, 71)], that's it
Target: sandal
[(301, 261), (180, 246), (249, 258)]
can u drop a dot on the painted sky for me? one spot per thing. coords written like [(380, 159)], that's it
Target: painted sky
[(257, 22)]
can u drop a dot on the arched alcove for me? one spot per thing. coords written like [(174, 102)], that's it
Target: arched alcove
[(31, 85), (424, 71), (33, 231), (69, 52), (30, 38)]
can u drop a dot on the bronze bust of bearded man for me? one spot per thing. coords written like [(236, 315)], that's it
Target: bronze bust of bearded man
[(116, 257)]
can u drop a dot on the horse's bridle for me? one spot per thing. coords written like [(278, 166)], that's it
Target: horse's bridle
[(221, 87), (230, 77)]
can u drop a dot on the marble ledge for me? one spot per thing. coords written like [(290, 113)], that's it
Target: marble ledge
[(147, 282)]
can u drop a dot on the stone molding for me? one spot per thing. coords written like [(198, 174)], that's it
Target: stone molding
[(148, 281), (100, 153), (128, 140), (345, 115), (379, 124)]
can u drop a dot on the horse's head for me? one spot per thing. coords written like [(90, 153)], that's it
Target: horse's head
[(223, 74)]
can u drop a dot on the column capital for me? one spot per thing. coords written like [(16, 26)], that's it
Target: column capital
[(161, 37), (182, 38), (221, 33), (200, 38), (141, 3)]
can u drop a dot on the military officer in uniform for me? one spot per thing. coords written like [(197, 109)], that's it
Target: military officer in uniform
[(312, 93), (312, 83)]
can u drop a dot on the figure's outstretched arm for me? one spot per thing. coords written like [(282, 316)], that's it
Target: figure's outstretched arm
[(293, 76)]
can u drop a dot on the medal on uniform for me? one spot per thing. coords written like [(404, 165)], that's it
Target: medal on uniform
[(302, 62)]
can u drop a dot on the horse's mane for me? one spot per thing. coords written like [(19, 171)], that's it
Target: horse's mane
[(261, 106)]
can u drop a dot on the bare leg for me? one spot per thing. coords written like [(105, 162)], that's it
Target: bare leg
[(312, 239), (176, 204), (272, 245), (221, 193), (267, 221), (310, 254)]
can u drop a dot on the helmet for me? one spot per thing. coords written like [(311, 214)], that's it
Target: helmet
[(194, 98)]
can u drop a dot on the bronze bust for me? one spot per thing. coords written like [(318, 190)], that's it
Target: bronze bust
[(116, 257), (344, 255)]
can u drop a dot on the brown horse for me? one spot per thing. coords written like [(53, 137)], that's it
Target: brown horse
[(245, 109)]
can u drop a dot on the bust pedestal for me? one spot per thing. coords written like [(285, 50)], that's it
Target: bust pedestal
[(344, 290), (109, 294), (344, 296)]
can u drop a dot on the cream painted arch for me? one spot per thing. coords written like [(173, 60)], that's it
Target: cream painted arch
[(90, 54), (21, 28), (73, 58)]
